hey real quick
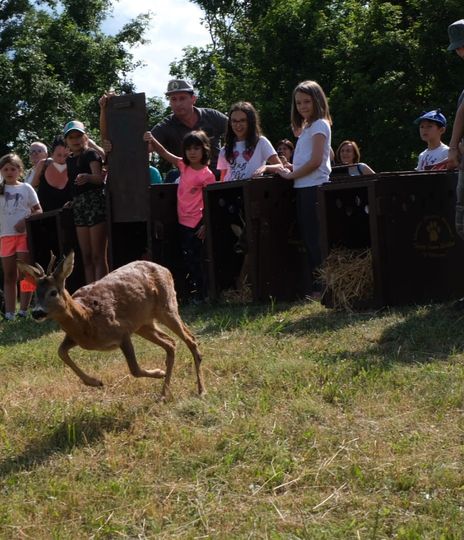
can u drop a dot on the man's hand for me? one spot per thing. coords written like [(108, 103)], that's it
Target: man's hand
[(453, 159)]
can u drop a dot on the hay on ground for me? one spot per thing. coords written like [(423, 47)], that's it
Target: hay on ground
[(348, 277), (241, 295)]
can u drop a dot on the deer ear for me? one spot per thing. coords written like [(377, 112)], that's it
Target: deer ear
[(32, 271), (64, 268), (236, 229)]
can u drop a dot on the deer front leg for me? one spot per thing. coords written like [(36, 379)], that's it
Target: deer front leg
[(63, 349), (128, 350)]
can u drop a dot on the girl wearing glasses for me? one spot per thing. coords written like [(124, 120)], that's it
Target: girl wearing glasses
[(246, 152)]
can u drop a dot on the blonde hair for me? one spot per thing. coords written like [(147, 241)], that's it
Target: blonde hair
[(320, 103)]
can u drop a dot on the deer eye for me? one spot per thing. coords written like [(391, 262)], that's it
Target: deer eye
[(54, 293)]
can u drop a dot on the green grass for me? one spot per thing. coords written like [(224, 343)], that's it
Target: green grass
[(317, 425)]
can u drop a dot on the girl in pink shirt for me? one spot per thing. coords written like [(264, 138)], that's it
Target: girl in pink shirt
[(194, 176)]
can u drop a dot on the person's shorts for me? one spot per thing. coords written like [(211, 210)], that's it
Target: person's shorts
[(10, 245), (89, 208)]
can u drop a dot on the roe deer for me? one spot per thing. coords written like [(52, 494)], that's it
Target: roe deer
[(103, 315)]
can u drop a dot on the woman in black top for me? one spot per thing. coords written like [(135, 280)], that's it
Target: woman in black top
[(51, 178), (86, 178)]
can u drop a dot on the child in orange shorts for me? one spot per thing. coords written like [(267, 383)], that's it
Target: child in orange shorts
[(18, 201)]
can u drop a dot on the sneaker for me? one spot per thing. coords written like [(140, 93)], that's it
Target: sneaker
[(22, 313), (9, 316)]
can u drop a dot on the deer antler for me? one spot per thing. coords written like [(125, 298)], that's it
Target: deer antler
[(40, 269), (51, 263)]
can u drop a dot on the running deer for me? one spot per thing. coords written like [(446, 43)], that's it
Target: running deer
[(102, 316)]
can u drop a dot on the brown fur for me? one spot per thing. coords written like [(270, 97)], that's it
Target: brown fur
[(103, 315)]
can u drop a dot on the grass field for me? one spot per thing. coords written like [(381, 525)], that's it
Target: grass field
[(316, 425)]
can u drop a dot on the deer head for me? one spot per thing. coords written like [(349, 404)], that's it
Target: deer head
[(50, 285)]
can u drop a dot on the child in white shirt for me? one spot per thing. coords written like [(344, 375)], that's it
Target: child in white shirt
[(432, 125)]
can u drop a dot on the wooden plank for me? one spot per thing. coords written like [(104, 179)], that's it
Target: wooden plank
[(128, 178)]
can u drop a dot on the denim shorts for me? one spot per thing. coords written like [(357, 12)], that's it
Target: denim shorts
[(89, 208)]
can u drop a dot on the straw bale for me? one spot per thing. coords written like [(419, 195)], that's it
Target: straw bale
[(348, 277), (241, 295)]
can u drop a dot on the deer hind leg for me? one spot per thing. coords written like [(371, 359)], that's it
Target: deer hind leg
[(172, 320), (157, 336), (136, 371), (63, 353)]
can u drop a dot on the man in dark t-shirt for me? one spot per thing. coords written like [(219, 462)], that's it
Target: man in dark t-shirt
[(186, 117), (455, 153)]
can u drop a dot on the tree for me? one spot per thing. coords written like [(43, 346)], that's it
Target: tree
[(381, 63), (54, 64)]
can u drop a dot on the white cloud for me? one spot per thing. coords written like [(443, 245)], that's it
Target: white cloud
[(175, 24)]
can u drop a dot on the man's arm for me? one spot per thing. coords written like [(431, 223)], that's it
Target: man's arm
[(458, 132)]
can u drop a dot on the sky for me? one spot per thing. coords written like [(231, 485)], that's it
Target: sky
[(175, 24)]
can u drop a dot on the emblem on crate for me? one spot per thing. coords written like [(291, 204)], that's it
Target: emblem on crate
[(433, 236)]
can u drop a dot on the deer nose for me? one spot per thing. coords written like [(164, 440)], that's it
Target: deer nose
[(39, 314)]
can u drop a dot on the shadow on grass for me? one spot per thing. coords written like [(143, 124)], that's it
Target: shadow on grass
[(424, 334), (22, 330), (412, 334), (80, 430), (421, 334), (325, 320), (216, 318)]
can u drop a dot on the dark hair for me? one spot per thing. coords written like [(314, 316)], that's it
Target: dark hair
[(253, 129), (357, 153), (196, 138), (321, 106), (58, 141), (14, 160), (286, 143)]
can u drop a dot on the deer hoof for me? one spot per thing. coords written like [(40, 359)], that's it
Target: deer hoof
[(162, 399), (93, 382), (159, 373)]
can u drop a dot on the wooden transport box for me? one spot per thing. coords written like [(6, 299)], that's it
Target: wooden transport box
[(266, 207), (55, 231), (407, 220)]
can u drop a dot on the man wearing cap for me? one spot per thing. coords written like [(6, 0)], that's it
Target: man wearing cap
[(456, 37), (186, 117)]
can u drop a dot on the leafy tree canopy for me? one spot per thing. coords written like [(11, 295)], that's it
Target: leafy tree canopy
[(55, 62), (380, 63)]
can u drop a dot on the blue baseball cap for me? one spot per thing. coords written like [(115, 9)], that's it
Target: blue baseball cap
[(432, 116), (74, 125)]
